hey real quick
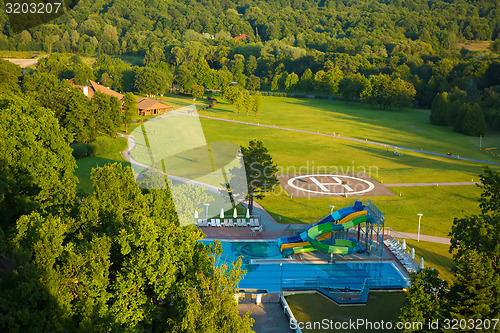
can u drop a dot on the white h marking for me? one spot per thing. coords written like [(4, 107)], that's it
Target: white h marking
[(338, 182)]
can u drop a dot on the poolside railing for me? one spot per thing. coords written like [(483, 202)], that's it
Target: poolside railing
[(345, 292), (321, 282), (288, 312)]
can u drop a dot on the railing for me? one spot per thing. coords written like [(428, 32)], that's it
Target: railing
[(288, 312), (321, 282)]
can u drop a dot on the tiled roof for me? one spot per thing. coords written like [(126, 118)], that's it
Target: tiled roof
[(97, 87), (151, 104)]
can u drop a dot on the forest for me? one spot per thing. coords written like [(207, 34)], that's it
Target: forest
[(70, 262), (344, 49)]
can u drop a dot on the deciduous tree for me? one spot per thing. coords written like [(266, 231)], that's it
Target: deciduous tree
[(260, 170)]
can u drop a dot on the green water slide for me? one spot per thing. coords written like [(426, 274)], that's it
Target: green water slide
[(341, 246)]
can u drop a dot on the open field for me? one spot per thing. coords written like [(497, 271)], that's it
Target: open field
[(300, 152), (314, 308), (475, 46), (438, 204), (407, 128)]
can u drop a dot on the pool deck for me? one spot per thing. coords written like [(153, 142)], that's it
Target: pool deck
[(268, 316)]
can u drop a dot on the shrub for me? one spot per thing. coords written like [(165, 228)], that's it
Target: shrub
[(79, 150), (99, 146)]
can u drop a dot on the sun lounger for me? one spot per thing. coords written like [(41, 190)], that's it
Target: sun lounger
[(254, 229), (211, 223), (218, 222)]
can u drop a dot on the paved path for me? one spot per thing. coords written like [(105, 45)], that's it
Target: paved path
[(269, 317), (432, 184), (426, 238), (349, 139)]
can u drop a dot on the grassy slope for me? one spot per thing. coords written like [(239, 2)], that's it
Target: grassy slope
[(407, 128), (86, 164), (314, 308), (436, 256)]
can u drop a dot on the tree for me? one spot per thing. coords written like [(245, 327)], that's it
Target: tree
[(260, 170), (184, 78), (251, 65), (83, 73), (253, 82), (475, 239), (197, 91), (122, 262), (201, 72), (130, 109), (107, 113), (332, 79), (306, 80), (473, 123), (9, 76), (275, 83), (377, 91), (257, 103), (401, 93), (352, 86), (36, 165), (151, 81), (439, 109), (231, 93), (490, 195), (425, 298), (291, 81), (474, 294)]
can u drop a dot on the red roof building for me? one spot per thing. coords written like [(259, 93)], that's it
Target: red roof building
[(146, 106), (243, 36)]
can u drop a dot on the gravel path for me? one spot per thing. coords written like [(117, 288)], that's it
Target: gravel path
[(432, 184)]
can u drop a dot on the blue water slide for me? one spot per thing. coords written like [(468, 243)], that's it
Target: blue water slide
[(333, 217)]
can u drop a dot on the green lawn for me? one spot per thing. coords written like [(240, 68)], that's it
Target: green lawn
[(85, 165), (407, 128), (435, 255), (314, 308), (438, 204), (305, 153)]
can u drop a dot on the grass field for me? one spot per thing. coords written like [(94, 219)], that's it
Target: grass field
[(438, 204), (85, 165), (435, 255), (300, 152), (314, 308), (407, 128)]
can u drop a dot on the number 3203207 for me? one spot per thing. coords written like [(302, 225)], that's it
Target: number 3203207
[(32, 7)]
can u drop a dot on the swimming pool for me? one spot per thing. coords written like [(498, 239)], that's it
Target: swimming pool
[(267, 274)]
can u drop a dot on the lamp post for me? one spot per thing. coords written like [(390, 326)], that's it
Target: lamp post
[(281, 279), (207, 204), (418, 232), (331, 210)]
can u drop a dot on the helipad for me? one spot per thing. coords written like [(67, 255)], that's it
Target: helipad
[(332, 185)]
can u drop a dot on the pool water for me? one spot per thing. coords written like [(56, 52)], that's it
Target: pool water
[(272, 277)]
